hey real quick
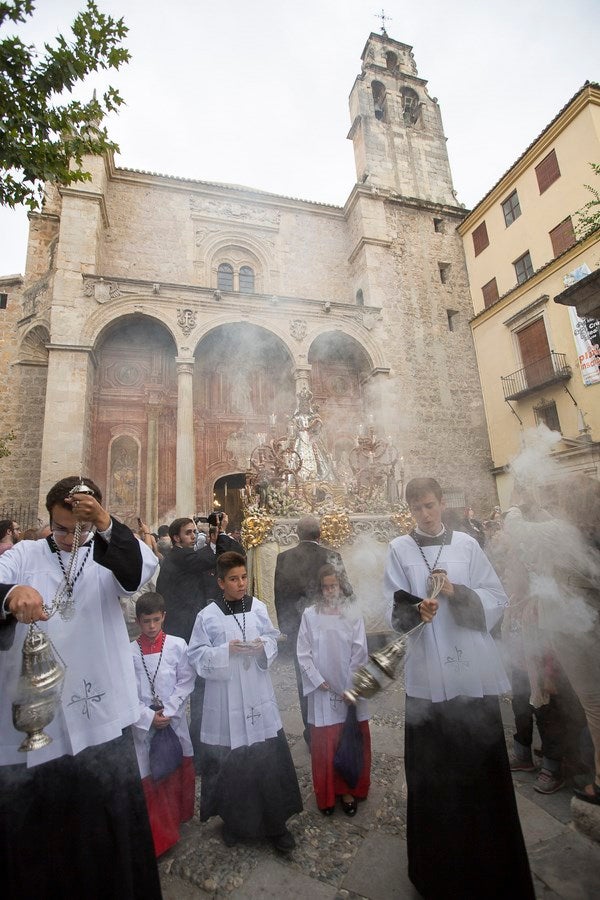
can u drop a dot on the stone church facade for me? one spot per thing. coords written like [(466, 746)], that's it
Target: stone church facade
[(165, 326)]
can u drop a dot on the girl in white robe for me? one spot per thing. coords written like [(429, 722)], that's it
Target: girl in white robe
[(332, 645)]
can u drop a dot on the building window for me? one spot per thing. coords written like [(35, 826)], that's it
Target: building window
[(511, 208), (444, 272), (378, 90), (246, 280), (225, 277), (547, 171), (546, 414), (480, 238), (523, 268), (490, 292), (438, 226), (562, 236), (535, 353), (360, 298), (452, 314), (3, 301), (391, 61)]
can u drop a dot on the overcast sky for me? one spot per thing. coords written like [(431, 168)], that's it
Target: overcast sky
[(255, 92)]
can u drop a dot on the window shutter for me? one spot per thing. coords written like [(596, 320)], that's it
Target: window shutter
[(547, 171), (490, 292), (562, 236), (480, 238)]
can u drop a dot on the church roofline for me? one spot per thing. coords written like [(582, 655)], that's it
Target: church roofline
[(383, 39), (115, 172)]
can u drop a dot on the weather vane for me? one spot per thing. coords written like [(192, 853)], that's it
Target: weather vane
[(384, 19)]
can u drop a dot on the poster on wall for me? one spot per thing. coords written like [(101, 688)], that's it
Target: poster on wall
[(586, 333)]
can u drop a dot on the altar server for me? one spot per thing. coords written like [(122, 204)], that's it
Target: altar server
[(165, 680), (464, 837), (332, 645), (247, 774), (73, 820)]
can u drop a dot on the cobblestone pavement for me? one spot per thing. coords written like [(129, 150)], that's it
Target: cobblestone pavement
[(365, 856)]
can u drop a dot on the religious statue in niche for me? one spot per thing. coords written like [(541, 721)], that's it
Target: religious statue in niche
[(306, 425), (124, 476)]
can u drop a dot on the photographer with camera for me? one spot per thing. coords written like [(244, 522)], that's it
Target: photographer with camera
[(224, 542)]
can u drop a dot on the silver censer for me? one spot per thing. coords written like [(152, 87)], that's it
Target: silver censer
[(39, 689), (379, 672)]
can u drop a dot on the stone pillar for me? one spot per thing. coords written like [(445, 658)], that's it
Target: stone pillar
[(185, 491), (67, 416), (154, 407)]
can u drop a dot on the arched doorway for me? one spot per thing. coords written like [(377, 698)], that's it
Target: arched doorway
[(243, 383), (134, 422), (227, 494)]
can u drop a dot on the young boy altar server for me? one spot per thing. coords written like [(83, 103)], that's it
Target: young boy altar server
[(247, 774)]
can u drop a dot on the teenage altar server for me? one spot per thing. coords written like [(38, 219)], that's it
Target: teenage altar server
[(73, 820), (464, 837), (247, 774)]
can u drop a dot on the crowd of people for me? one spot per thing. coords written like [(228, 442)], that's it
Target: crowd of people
[(504, 605)]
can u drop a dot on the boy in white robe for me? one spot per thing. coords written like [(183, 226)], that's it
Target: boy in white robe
[(464, 838), (165, 680), (247, 774)]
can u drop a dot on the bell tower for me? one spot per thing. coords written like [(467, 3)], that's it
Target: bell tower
[(397, 132)]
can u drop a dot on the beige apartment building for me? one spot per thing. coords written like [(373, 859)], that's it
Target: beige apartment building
[(538, 361)]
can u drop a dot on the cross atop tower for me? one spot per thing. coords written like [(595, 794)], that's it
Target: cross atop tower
[(384, 19)]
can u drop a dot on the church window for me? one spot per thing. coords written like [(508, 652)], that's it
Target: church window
[(480, 239), (562, 236), (511, 208), (360, 298), (546, 414), (391, 61), (452, 314), (246, 280), (411, 106), (444, 272), (3, 301), (547, 171), (378, 90), (490, 292), (225, 277), (523, 267), (438, 226)]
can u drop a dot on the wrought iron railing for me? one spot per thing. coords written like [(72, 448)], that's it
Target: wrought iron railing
[(547, 370)]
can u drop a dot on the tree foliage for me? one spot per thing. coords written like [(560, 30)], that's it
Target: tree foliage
[(588, 217), (44, 134)]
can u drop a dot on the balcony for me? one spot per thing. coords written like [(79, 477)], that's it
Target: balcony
[(550, 369)]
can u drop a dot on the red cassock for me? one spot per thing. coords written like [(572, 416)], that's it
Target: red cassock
[(327, 783)]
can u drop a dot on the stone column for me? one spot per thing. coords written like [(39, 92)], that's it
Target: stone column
[(67, 416), (154, 406), (185, 492)]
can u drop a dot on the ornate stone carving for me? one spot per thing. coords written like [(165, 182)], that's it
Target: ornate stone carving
[(101, 290), (298, 329), (234, 211), (124, 475), (186, 319)]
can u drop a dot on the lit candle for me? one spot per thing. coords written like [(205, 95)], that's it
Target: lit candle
[(225, 490)]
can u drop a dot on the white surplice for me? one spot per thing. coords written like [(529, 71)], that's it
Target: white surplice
[(445, 660), (330, 648), (99, 696), (174, 683), (240, 708)]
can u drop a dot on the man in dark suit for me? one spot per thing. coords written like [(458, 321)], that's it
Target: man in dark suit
[(297, 586)]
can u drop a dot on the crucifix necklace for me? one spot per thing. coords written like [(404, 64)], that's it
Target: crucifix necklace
[(433, 568), (241, 625), (156, 701), (63, 599)]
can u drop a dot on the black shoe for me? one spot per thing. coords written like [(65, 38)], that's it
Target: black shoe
[(284, 841), (350, 808), (327, 810), (594, 797), (229, 838)]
